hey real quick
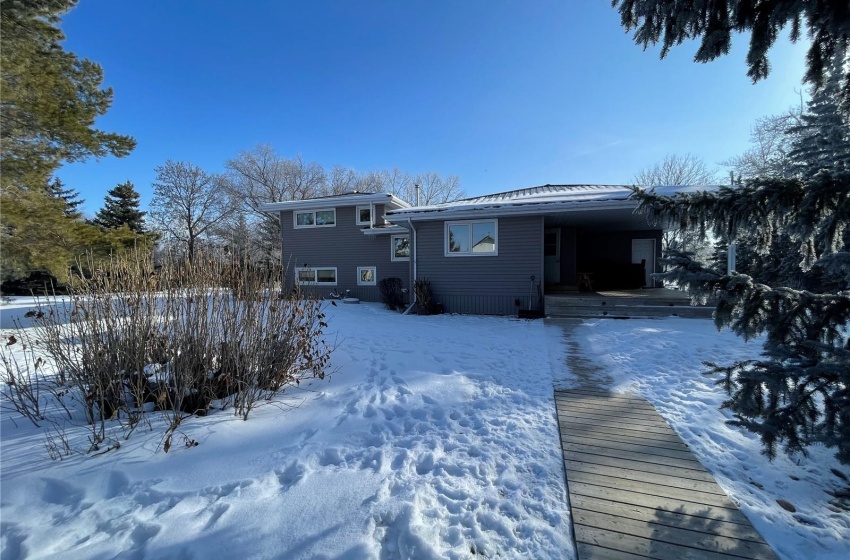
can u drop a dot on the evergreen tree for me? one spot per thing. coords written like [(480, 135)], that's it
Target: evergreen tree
[(51, 98), (70, 198), (798, 392), (714, 22), (50, 101), (822, 140), (121, 207)]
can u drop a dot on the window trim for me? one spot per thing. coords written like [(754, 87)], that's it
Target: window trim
[(315, 282), (357, 210), (393, 257), (471, 253), (374, 270), (295, 214)]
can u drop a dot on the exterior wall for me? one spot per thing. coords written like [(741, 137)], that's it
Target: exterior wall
[(488, 285), (343, 246), (613, 246), (568, 256)]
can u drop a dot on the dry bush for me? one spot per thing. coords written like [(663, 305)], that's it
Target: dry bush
[(140, 336)]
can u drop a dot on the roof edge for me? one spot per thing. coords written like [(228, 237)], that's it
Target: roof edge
[(335, 202)]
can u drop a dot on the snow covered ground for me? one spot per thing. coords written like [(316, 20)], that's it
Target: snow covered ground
[(435, 437)]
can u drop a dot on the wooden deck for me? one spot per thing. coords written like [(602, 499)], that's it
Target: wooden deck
[(637, 492), (621, 304)]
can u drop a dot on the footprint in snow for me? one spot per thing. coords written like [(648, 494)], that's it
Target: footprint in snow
[(331, 458), (216, 512), (290, 475)]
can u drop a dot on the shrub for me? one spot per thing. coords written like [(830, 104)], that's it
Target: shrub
[(137, 337), (391, 294), (424, 296)]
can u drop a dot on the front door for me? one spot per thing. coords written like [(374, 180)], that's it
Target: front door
[(644, 250), (552, 256)]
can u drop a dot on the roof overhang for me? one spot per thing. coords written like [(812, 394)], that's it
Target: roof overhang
[(490, 210), (385, 230), (386, 199), (608, 198)]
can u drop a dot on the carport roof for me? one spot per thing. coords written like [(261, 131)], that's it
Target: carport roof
[(545, 199)]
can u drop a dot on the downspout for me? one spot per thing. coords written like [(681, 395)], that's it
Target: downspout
[(413, 265)]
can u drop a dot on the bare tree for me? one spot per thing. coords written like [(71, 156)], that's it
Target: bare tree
[(188, 203), (342, 180), (679, 170), (676, 169), (433, 189), (304, 179), (259, 176), (772, 140), (256, 177), (397, 182), (372, 182)]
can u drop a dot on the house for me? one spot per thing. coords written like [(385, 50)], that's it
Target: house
[(491, 254), (343, 243)]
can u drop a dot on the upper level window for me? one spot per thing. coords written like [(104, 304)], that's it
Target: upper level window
[(400, 248), (472, 238), (314, 218), (364, 215)]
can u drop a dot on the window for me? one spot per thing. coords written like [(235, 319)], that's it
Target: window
[(364, 215), (366, 275), (317, 218), (400, 248), (323, 276), (472, 238)]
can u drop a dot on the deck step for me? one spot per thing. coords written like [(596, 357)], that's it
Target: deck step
[(600, 306)]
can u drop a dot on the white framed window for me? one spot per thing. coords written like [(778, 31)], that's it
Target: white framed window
[(319, 276), (364, 215), (472, 238), (314, 218), (400, 247), (367, 276)]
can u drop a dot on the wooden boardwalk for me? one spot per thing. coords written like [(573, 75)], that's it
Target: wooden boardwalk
[(637, 492)]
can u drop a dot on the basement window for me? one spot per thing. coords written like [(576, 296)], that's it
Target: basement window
[(366, 275), (320, 276)]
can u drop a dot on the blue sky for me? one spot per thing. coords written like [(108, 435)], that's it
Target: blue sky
[(503, 94)]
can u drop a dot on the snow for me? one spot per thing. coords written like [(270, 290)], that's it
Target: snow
[(435, 437)]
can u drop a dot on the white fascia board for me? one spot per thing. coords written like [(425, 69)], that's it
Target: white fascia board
[(334, 202), (395, 230), (494, 211)]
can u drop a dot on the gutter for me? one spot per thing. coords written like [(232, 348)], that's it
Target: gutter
[(413, 264)]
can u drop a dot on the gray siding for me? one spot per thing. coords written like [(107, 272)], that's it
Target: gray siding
[(343, 246), (486, 284)]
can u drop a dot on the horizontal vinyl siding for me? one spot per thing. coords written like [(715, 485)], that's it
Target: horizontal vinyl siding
[(483, 284), (343, 246)]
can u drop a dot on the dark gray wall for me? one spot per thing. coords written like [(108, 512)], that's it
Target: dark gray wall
[(343, 246), (568, 256), (483, 285), (613, 246)]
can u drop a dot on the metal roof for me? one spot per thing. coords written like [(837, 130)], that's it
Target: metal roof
[(538, 200)]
